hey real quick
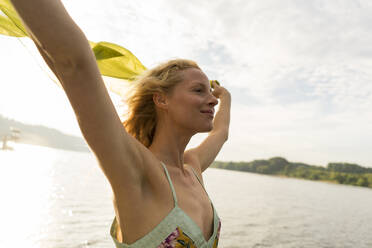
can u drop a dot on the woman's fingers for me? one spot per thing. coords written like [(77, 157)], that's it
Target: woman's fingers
[(218, 90), (213, 83)]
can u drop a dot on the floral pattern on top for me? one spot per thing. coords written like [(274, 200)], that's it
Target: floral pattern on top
[(179, 239)]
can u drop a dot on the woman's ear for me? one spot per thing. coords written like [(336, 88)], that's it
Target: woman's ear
[(160, 100)]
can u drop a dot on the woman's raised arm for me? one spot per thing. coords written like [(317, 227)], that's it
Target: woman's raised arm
[(51, 28), (67, 52)]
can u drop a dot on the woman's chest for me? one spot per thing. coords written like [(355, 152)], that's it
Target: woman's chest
[(156, 203)]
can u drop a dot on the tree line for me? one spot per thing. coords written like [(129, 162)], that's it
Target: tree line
[(342, 173)]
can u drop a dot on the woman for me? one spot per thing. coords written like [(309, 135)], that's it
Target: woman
[(159, 197)]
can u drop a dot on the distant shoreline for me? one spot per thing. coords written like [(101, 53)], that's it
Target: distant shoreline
[(336, 173), (42, 136)]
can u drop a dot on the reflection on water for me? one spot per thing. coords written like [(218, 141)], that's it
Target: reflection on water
[(54, 198), (266, 211), (26, 191)]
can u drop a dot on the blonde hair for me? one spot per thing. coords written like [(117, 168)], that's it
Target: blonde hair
[(141, 117)]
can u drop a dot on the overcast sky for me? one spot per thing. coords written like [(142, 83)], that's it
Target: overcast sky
[(299, 71)]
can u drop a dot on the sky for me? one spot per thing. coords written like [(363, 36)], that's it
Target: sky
[(299, 72)]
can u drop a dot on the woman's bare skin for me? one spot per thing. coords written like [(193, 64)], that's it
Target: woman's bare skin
[(139, 217), (142, 194)]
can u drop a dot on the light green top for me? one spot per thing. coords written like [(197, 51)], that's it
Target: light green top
[(166, 229)]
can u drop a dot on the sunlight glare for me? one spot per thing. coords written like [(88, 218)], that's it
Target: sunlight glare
[(25, 186)]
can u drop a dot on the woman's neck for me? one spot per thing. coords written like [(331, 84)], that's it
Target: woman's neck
[(169, 145)]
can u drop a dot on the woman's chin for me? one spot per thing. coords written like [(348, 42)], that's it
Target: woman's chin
[(206, 129)]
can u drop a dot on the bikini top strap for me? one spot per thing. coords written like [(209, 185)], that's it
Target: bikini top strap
[(196, 174), (170, 183), (198, 178)]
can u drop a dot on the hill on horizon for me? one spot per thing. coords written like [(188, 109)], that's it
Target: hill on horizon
[(42, 136)]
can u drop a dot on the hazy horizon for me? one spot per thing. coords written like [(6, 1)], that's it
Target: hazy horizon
[(57, 141)]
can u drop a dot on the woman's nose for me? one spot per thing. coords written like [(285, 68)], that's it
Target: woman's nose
[(213, 100)]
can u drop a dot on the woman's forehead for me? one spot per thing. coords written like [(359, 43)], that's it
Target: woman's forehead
[(194, 76)]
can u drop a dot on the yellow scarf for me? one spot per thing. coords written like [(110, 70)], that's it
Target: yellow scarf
[(113, 60)]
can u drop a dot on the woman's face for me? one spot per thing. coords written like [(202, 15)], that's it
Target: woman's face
[(191, 103)]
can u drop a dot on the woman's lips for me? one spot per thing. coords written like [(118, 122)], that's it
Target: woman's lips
[(209, 113)]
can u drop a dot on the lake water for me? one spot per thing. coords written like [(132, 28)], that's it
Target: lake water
[(59, 199)]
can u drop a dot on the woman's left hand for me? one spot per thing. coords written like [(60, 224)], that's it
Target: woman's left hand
[(219, 91)]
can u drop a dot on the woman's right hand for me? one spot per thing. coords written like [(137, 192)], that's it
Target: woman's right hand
[(52, 29)]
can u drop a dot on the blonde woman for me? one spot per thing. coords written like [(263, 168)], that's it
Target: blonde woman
[(159, 195)]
